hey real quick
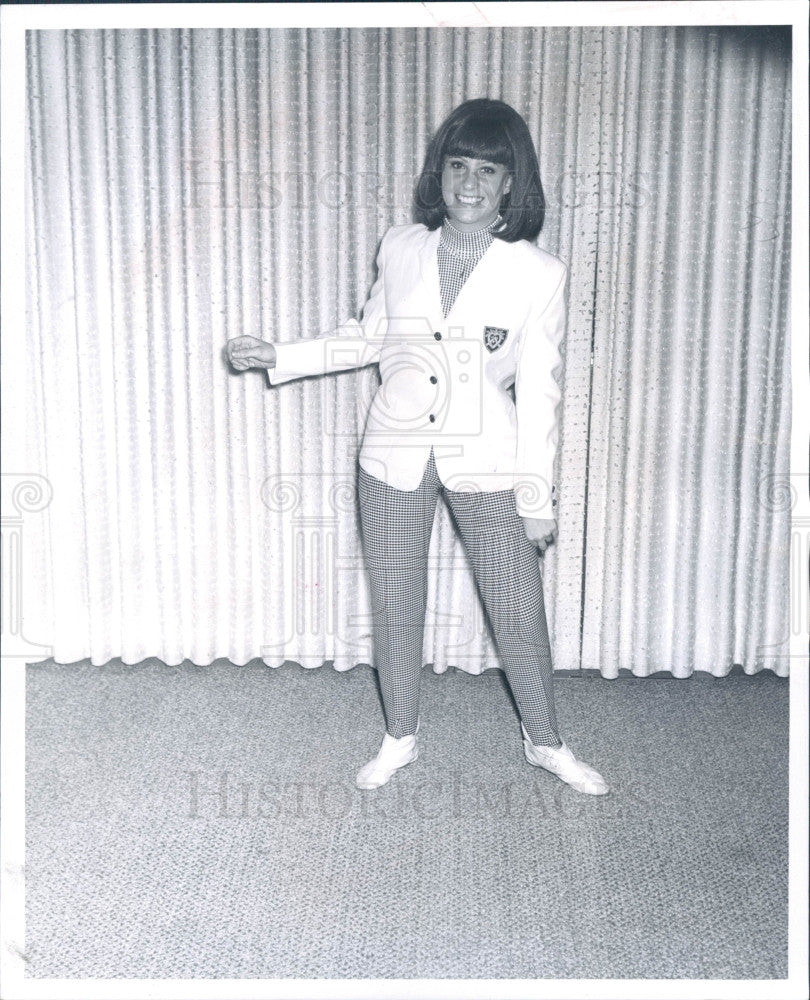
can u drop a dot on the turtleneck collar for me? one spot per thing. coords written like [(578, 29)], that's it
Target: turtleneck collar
[(466, 244)]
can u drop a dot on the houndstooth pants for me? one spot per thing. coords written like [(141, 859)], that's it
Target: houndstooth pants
[(396, 528)]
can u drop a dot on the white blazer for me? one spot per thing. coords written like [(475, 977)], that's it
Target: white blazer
[(448, 382)]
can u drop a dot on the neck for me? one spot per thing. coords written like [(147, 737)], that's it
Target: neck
[(471, 232)]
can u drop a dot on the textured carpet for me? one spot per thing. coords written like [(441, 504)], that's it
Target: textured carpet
[(203, 822)]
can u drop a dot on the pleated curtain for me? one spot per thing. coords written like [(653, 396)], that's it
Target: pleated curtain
[(187, 186)]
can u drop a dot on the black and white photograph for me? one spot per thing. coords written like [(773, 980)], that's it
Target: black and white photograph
[(405, 500)]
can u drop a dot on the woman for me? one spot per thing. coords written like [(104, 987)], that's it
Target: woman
[(464, 311)]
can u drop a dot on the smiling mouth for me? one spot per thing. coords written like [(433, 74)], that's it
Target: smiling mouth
[(468, 201)]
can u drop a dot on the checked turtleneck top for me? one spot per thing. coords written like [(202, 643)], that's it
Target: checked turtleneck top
[(458, 253)]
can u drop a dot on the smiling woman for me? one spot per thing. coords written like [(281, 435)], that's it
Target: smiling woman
[(464, 308)]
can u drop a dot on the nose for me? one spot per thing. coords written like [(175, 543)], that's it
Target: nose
[(470, 181)]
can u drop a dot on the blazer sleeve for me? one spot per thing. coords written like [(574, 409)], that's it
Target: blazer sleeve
[(353, 344), (537, 394)]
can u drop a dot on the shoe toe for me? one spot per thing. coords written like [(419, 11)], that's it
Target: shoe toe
[(586, 779), (382, 768), (369, 776), (565, 765), (370, 779), (590, 784)]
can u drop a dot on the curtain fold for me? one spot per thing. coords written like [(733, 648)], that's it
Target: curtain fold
[(188, 186), (690, 394)]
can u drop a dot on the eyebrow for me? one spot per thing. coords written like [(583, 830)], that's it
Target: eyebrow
[(460, 156)]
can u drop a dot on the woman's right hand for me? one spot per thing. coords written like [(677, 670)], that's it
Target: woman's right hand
[(249, 352)]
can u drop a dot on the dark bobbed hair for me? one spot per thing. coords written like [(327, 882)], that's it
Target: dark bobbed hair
[(485, 129)]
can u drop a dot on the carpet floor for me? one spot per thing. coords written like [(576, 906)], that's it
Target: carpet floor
[(202, 822)]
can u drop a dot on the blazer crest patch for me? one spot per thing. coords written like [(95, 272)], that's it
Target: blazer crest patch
[(494, 336)]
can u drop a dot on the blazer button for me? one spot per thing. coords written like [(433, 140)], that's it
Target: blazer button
[(433, 379), (438, 336), (432, 418)]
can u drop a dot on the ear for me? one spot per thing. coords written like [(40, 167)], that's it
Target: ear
[(508, 185)]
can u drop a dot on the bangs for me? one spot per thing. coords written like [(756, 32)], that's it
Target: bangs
[(481, 140)]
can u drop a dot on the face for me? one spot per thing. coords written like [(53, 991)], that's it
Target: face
[(472, 191)]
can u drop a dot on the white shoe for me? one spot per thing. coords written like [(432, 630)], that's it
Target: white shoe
[(564, 764), (393, 755)]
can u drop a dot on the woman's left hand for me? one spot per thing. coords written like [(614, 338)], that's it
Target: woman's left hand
[(541, 530)]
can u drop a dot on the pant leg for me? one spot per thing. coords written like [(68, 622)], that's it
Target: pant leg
[(506, 570), (396, 527)]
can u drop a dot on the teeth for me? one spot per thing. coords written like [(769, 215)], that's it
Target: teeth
[(468, 201)]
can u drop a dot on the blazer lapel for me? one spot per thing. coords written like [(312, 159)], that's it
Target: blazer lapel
[(429, 273), (482, 280)]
